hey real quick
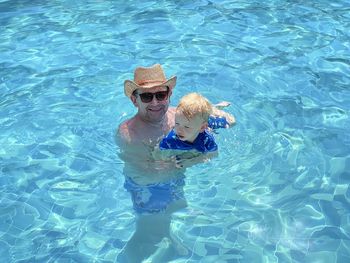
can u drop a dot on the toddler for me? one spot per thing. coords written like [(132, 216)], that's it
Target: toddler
[(194, 116)]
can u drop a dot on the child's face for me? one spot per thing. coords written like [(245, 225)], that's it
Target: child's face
[(188, 130)]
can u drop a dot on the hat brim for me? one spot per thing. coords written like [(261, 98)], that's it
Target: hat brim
[(130, 86)]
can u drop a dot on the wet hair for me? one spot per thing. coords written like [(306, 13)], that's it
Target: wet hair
[(194, 104)]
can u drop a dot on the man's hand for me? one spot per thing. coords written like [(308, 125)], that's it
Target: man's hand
[(182, 162)]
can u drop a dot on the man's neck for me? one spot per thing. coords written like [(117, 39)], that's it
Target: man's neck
[(154, 124)]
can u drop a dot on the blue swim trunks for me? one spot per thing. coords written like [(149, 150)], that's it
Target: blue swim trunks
[(154, 198)]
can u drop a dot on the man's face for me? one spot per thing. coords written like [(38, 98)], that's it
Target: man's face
[(188, 129), (155, 109)]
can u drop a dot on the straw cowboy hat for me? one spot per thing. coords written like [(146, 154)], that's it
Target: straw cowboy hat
[(147, 78)]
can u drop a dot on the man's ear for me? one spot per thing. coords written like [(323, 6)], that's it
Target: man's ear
[(204, 126), (169, 94), (133, 100)]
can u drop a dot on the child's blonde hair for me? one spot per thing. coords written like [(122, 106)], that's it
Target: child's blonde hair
[(194, 104)]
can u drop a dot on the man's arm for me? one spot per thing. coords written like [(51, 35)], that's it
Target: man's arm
[(123, 134), (182, 162)]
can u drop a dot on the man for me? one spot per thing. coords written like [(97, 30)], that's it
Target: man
[(156, 189)]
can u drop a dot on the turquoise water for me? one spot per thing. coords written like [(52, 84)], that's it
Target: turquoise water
[(277, 192)]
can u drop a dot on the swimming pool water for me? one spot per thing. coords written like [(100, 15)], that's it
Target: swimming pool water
[(277, 192)]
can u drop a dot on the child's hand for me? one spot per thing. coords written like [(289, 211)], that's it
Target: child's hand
[(230, 119), (222, 104)]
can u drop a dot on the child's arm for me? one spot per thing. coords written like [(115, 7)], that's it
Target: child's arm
[(221, 105), (220, 119), (218, 112)]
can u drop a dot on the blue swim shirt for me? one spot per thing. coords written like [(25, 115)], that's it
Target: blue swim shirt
[(203, 143)]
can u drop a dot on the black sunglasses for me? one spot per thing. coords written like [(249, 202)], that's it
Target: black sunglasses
[(147, 97)]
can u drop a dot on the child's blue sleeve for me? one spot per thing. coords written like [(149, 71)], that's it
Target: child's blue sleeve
[(168, 142), (215, 122)]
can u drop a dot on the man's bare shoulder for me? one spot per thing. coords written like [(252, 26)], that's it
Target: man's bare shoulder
[(124, 132)]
